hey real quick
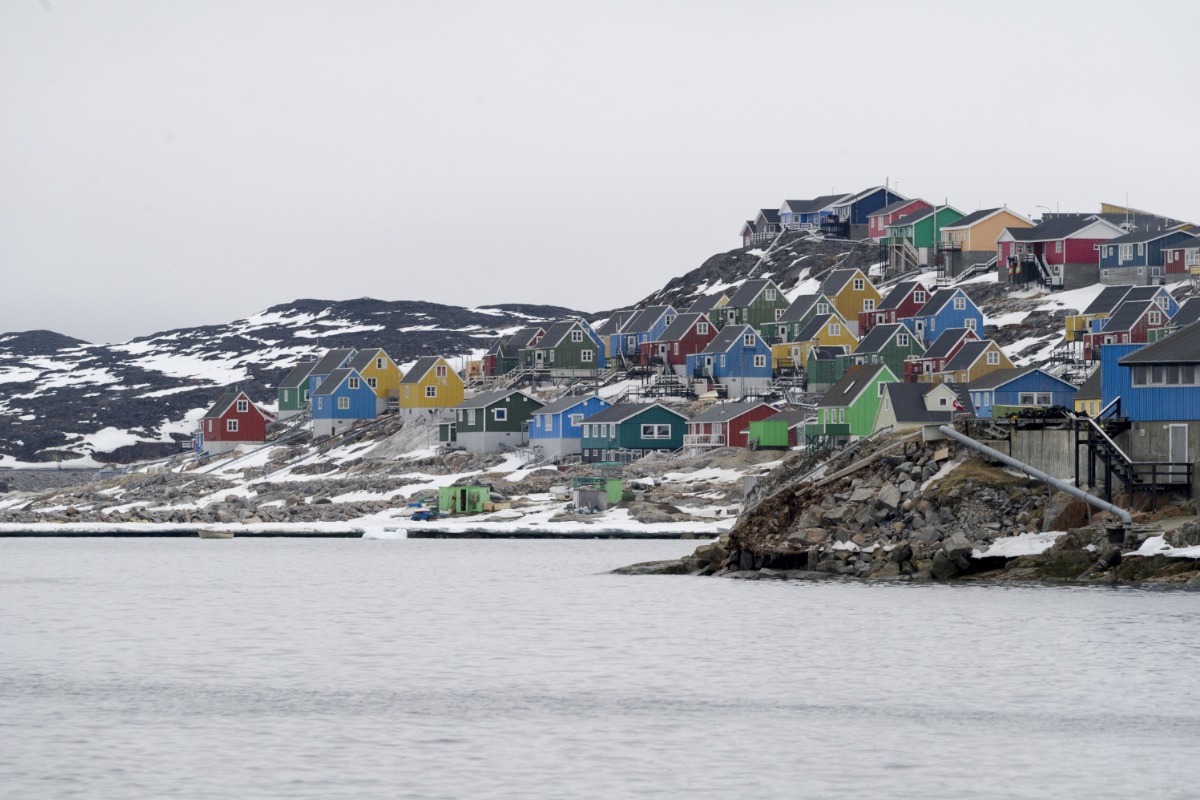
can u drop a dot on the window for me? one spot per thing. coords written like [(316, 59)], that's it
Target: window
[(835, 329), (587, 356), (722, 359), (373, 383), (993, 358), (573, 419), (770, 293), (1034, 399), (960, 303), (779, 312), (880, 387), (653, 431), (919, 296), (702, 328), (231, 425), (440, 371), (469, 416), (760, 361), (379, 363), (631, 341), (431, 391), (902, 340), (942, 401), (1155, 317), (731, 314), (354, 383), (1126, 252), (781, 331), (841, 415), (859, 284), (1141, 248), (748, 340), (1058, 246), (243, 406), (869, 304), (343, 403), (551, 356), (822, 308), (969, 323), (500, 414), (306, 395), (576, 335)]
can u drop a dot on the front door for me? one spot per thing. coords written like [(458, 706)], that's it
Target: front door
[(1178, 449)]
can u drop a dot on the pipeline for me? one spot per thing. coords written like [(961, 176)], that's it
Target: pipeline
[(1037, 474)]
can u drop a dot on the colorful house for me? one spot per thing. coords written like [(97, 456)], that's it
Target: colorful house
[(1008, 391), (1139, 257), (628, 431), (852, 293), (937, 355), (610, 328), (688, 334), (904, 300), (851, 213), (848, 410), (341, 401), (293, 392), (749, 233), (1059, 252), (490, 421), (797, 315), (1182, 258), (1131, 323), (906, 407), (878, 221), (945, 309), (332, 360), (890, 344), (1087, 396), (569, 349), (737, 360), (429, 386), (972, 239), (829, 330), (972, 361), (231, 421), (556, 429), (724, 425), (757, 302), (1100, 308), (918, 232), (823, 368), (782, 431), (709, 304), (807, 214), (505, 353), (645, 325), (381, 373), (763, 228)]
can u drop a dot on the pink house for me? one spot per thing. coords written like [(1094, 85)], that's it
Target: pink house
[(878, 221)]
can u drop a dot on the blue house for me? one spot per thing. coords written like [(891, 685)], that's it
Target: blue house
[(342, 399), (1137, 257), (332, 360), (798, 214), (557, 428), (849, 217), (1005, 391), (738, 360), (644, 326), (945, 309)]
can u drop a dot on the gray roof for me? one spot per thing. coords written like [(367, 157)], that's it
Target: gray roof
[(879, 336), (749, 290), (810, 330), (721, 412), (1141, 236), (332, 360), (485, 399), (512, 345), (1188, 313), (916, 216), (615, 322), (771, 215), (727, 338), (891, 208), (555, 333), (900, 291), (908, 403), (835, 280), (792, 416), (624, 411), (223, 402), (1000, 377), (937, 301), (1126, 315), (1090, 390), (366, 358), (1054, 228), (1181, 347), (972, 218), (967, 355), (1143, 293), (421, 366), (850, 385), (680, 326), (706, 302), (945, 342), (644, 319), (1108, 299), (298, 375), (814, 205), (565, 403), (334, 380), (799, 307)]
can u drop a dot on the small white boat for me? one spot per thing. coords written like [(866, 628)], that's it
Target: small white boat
[(216, 534)]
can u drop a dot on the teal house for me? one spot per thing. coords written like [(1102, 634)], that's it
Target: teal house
[(628, 431)]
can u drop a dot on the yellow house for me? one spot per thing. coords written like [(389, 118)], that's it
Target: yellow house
[(1087, 399), (978, 231), (380, 373), (821, 331), (430, 384), (852, 292), (972, 361)]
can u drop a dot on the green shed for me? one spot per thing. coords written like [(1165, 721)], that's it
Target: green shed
[(463, 499), (778, 432)]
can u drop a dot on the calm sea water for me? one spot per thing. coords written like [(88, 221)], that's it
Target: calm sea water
[(448, 669)]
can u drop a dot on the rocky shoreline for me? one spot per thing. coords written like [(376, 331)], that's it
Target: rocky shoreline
[(911, 511)]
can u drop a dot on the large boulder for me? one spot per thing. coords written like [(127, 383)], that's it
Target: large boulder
[(1064, 512)]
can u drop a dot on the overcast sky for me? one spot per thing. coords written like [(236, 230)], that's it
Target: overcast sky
[(165, 164)]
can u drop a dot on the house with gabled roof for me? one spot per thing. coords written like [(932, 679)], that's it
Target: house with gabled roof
[(1183, 258), (797, 315), (848, 409), (1130, 323), (946, 308), (763, 228), (781, 431), (824, 366), (233, 420), (430, 386), (878, 221), (628, 431), (972, 239), (341, 401), (821, 331), (1005, 392), (645, 325), (708, 304), (919, 233), (292, 392), (891, 344), (688, 334), (807, 214), (338, 358), (1059, 252), (504, 355), (1138, 257), (972, 361), (724, 425), (937, 355), (570, 348), (757, 302), (1087, 396), (749, 233), (903, 300), (907, 407), (1100, 308), (490, 421), (556, 429), (381, 373), (737, 360), (852, 293), (1188, 314), (849, 219), (611, 327)]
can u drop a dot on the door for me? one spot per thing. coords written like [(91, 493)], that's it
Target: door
[(1178, 449)]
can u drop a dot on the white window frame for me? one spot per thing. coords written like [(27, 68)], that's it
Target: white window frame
[(373, 383), (587, 356), (701, 328), (760, 361), (343, 404), (430, 391), (574, 420), (993, 358), (919, 296), (440, 371), (859, 284), (902, 340), (960, 303), (379, 362), (748, 340), (576, 336), (231, 426), (835, 329), (243, 406), (500, 414), (354, 383)]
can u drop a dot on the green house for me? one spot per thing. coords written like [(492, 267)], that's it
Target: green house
[(923, 228), (797, 316), (469, 499), (824, 367), (847, 411), (628, 431), (758, 303), (887, 344), (569, 348), (489, 420), (779, 432), (292, 391)]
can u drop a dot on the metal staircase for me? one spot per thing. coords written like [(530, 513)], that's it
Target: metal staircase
[(1135, 476)]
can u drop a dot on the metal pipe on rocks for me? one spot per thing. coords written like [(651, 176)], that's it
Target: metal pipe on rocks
[(1037, 474)]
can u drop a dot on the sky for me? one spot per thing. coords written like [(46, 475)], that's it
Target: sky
[(164, 165)]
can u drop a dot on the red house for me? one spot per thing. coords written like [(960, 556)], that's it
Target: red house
[(687, 334), (904, 300), (878, 221), (725, 425), (233, 420), (1131, 323), (1179, 259), (945, 347), (1060, 251)]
